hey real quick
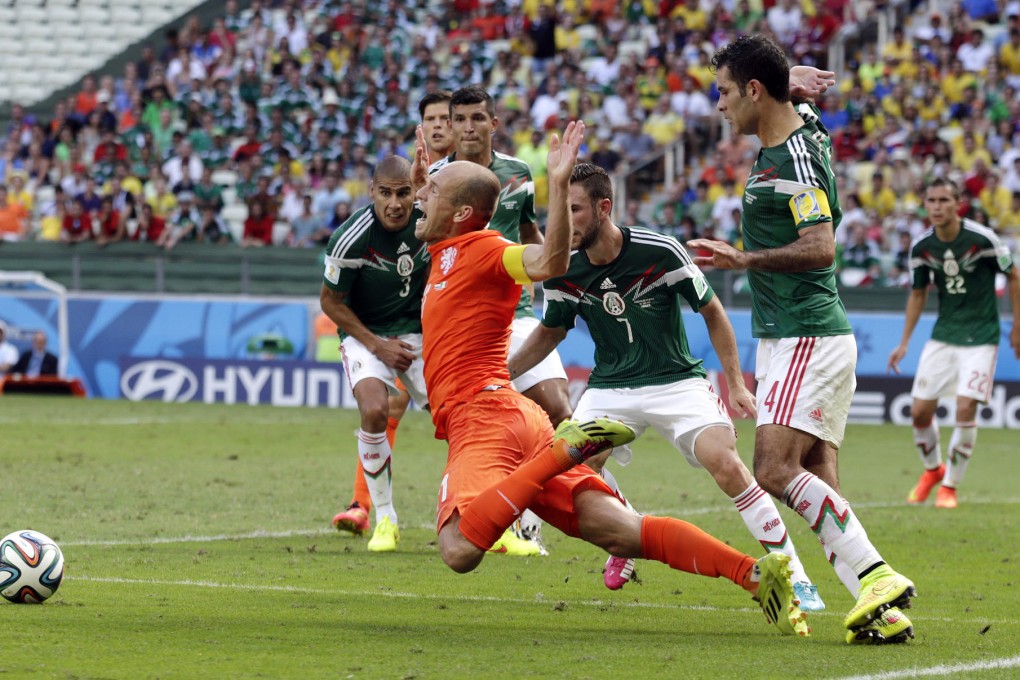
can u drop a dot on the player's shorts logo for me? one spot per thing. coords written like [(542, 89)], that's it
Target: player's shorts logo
[(405, 265), (614, 304)]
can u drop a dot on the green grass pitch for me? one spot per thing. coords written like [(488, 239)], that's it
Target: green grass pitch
[(198, 545)]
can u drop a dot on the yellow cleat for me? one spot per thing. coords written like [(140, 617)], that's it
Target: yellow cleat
[(385, 538), (775, 595), (882, 589), (512, 544), (891, 627)]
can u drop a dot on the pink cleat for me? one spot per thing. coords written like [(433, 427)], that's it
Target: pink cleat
[(617, 572)]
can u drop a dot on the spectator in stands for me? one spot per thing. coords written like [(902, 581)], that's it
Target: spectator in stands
[(109, 225), (36, 361), (726, 212), (8, 352), (182, 224), (51, 215), (211, 227), (861, 266), (635, 143), (664, 125), (899, 273), (878, 196), (89, 199), (307, 228), (258, 227), (150, 226), (542, 34), (77, 224), (207, 193), (184, 164), (163, 202), (13, 218)]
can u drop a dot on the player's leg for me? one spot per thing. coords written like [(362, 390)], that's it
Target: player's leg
[(603, 521), (376, 457), (973, 387), (361, 503), (715, 448), (936, 375)]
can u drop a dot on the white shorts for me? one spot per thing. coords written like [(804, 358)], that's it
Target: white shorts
[(807, 384), (678, 411), (954, 370), (359, 364), (549, 368)]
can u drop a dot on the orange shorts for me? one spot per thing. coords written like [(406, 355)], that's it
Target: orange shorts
[(490, 437)]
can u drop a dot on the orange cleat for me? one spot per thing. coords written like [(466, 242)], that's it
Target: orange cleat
[(928, 481), (946, 497)]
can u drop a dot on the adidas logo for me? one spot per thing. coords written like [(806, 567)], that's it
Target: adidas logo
[(402, 249), (607, 284), (816, 415)]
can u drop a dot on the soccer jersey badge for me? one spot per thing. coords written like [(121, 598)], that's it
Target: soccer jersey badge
[(950, 266), (614, 304), (446, 260), (405, 265)]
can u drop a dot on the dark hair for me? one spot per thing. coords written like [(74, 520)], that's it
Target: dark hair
[(594, 179), (473, 94), (755, 57), (437, 97), (943, 182)]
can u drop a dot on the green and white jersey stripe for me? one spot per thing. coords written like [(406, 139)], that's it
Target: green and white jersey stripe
[(963, 272), (633, 309), (382, 272)]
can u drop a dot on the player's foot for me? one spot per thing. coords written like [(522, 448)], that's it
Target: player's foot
[(945, 497), (512, 544), (928, 481), (354, 520), (385, 538), (775, 594), (592, 437), (617, 572), (807, 593), (891, 627), (882, 589), (532, 533)]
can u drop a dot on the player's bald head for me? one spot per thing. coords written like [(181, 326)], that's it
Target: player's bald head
[(475, 186), (392, 169)]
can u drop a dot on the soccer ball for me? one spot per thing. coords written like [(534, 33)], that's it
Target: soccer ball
[(31, 567)]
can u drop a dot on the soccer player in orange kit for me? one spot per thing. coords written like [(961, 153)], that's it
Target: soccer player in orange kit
[(503, 455)]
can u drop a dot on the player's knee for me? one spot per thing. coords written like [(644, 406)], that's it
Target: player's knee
[(457, 552), (603, 521), (773, 478), (374, 418)]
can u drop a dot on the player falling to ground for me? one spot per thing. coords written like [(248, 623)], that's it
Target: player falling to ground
[(434, 110), (806, 350), (473, 121), (961, 258), (503, 456), (627, 284), (371, 289)]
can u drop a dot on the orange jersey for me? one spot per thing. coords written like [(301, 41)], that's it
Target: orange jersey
[(467, 308)]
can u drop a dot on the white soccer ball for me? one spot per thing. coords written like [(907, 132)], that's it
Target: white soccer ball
[(31, 567)]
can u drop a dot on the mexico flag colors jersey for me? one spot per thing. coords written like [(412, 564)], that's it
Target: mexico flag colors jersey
[(632, 306), (792, 186), (516, 203), (382, 272), (964, 272)]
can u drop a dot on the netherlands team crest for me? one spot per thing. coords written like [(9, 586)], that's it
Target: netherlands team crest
[(446, 260)]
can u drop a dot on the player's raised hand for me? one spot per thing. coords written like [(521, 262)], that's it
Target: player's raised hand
[(563, 152), (809, 82), (420, 167), (895, 357), (724, 256)]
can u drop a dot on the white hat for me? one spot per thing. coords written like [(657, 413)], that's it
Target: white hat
[(329, 96)]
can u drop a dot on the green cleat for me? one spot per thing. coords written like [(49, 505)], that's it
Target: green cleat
[(880, 590), (512, 544), (775, 595), (592, 437), (891, 627), (385, 538)]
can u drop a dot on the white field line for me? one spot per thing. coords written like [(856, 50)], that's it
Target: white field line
[(942, 669)]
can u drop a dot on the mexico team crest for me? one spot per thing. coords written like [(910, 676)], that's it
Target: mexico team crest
[(613, 304), (405, 265)]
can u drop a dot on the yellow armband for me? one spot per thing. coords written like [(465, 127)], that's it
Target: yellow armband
[(811, 205), (513, 260)]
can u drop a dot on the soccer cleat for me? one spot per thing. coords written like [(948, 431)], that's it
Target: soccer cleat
[(928, 481), (354, 520), (891, 627), (592, 437), (617, 572), (512, 544), (531, 533), (946, 497), (807, 593), (385, 538), (775, 595), (882, 589)]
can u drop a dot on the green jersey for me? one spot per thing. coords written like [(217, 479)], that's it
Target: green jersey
[(963, 272), (791, 187), (383, 272), (516, 203), (633, 310)]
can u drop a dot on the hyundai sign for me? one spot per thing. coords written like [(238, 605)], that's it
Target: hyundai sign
[(238, 381)]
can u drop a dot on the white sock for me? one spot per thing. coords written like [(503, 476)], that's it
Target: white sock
[(609, 479), (961, 446), (926, 439), (376, 459), (830, 517), (762, 518), (845, 574)]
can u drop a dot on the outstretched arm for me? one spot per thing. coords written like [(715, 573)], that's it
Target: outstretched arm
[(807, 82), (814, 248), (550, 259), (539, 344), (724, 341), (915, 305)]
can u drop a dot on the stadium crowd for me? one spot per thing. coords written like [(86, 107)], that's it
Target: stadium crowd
[(275, 114)]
